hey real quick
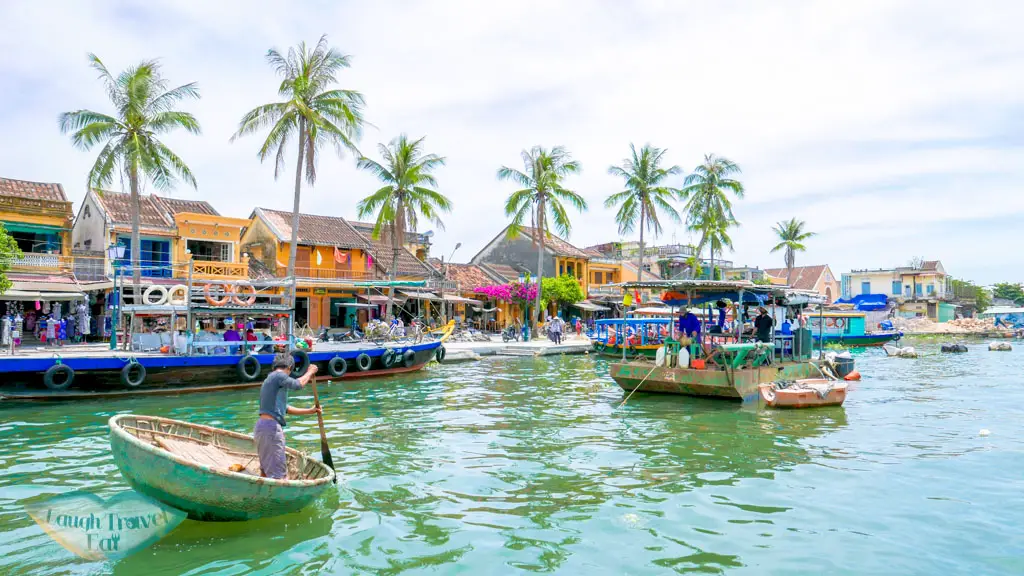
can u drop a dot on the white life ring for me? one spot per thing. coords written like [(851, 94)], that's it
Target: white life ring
[(149, 292), (175, 290)]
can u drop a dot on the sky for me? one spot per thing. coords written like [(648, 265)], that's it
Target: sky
[(892, 128)]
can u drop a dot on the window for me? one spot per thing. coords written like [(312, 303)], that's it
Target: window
[(897, 287), (570, 270), (917, 289), (865, 287), (209, 251), (906, 290), (154, 257), (38, 242), (931, 289)]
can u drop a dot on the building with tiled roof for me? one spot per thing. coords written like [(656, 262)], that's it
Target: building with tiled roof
[(817, 278), (416, 242), (39, 218), (175, 235)]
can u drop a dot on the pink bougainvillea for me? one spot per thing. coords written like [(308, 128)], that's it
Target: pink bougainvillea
[(514, 292)]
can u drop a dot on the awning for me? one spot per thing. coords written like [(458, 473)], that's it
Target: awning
[(654, 310), (28, 286), (420, 295), (355, 305), (590, 307), (461, 300), (378, 299), (31, 295)]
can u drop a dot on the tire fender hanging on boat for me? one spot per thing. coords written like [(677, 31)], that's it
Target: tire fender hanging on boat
[(176, 289), (242, 289), (363, 361), (213, 301), (409, 358), (58, 377), (133, 374), (337, 367), (388, 358), (301, 362), (440, 354), (248, 368), (149, 292)]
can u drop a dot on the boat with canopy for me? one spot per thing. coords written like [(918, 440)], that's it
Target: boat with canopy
[(724, 361)]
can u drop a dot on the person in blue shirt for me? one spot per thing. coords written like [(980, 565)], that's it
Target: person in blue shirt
[(689, 324)]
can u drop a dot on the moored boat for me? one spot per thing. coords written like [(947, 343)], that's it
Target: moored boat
[(163, 346), (724, 363), (805, 393), (847, 329), (209, 473), (641, 336)]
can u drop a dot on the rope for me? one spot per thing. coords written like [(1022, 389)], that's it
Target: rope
[(635, 388)]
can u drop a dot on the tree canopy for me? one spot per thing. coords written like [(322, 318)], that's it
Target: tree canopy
[(1009, 291), (9, 252), (564, 289)]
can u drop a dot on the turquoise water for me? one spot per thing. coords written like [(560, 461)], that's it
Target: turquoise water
[(526, 465)]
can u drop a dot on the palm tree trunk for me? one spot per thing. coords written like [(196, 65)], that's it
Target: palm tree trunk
[(397, 228), (293, 250), (789, 266), (133, 180), (540, 263), (640, 263)]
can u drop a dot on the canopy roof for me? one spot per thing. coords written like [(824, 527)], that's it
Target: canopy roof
[(590, 307), (420, 295)]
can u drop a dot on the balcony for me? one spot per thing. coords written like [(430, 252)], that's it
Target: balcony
[(605, 291), (446, 285), (327, 274), (40, 263), (210, 270)]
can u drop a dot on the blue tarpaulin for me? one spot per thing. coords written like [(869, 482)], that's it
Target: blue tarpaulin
[(867, 302)]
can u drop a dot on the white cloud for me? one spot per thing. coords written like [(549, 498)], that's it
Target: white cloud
[(873, 121)]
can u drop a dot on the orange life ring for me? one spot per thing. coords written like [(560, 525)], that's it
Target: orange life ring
[(840, 323), (243, 288), (216, 301), (830, 322)]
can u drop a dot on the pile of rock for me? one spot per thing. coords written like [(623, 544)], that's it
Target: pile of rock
[(958, 326)]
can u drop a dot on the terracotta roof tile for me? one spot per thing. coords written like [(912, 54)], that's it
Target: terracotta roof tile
[(314, 229), (408, 264), (32, 190), (558, 245), (804, 277), (154, 211), (502, 271), (469, 276)]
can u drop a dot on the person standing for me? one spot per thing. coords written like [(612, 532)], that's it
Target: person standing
[(269, 430), (763, 325)]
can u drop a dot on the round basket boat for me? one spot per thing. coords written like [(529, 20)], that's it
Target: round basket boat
[(209, 473)]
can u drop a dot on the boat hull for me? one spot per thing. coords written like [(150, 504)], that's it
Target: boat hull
[(861, 341), (614, 351), (806, 396), (741, 384), (102, 370), (200, 491)]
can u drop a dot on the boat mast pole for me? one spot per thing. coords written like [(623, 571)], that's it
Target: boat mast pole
[(188, 309), (821, 328)]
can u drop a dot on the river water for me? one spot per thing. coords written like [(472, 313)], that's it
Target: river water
[(527, 465)]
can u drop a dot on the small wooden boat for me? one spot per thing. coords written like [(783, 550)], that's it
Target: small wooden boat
[(806, 393), (209, 473)]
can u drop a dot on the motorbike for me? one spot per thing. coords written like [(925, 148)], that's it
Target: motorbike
[(510, 333)]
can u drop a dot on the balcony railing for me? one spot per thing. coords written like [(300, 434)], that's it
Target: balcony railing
[(605, 290), (219, 270), (446, 285), (326, 274), (35, 262)]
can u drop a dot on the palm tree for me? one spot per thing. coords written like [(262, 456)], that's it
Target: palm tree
[(715, 235), (792, 236), (312, 113), (144, 110), (405, 197), (644, 195), (708, 207), (541, 198)]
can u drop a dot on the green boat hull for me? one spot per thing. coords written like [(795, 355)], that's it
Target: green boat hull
[(614, 351), (201, 491), (861, 340), (740, 384)]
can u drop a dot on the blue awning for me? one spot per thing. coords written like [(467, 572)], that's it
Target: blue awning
[(867, 302)]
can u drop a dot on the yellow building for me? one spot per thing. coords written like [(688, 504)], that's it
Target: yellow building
[(39, 218), (331, 257), (172, 231)]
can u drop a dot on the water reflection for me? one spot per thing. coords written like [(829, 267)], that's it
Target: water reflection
[(530, 464)]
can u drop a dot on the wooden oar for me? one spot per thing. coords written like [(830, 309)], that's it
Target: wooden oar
[(325, 450)]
